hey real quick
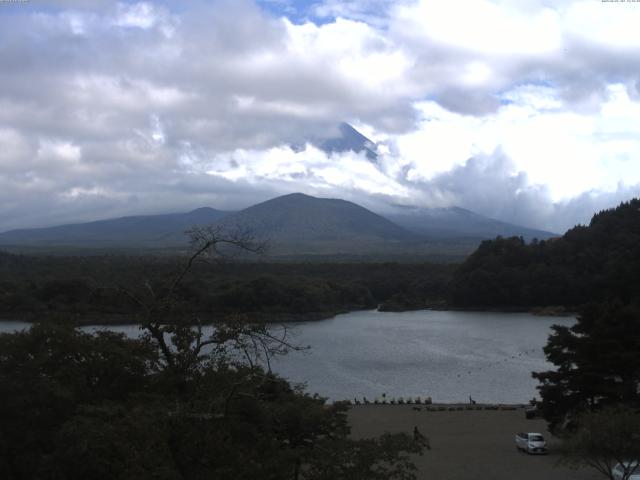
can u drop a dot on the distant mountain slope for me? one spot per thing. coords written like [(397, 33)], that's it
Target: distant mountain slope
[(307, 224), (148, 230), (349, 139), (455, 222), (295, 224)]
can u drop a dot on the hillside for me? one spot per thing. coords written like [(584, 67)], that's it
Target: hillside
[(455, 222), (137, 231), (349, 139), (299, 223), (588, 263), (294, 225)]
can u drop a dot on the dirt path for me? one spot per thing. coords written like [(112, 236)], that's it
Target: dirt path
[(468, 444)]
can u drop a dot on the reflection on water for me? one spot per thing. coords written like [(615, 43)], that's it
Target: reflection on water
[(446, 355)]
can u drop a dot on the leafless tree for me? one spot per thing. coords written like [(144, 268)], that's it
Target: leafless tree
[(181, 340)]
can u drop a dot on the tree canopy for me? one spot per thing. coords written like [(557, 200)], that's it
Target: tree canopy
[(605, 440), (173, 404), (597, 363), (44, 287), (588, 263)]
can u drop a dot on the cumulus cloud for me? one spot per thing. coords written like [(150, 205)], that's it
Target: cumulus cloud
[(491, 185), (525, 112)]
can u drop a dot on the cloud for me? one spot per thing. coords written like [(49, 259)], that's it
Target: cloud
[(568, 152), (135, 107), (492, 185), (468, 51)]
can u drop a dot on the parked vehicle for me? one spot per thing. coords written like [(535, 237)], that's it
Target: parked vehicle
[(531, 443), (619, 470)]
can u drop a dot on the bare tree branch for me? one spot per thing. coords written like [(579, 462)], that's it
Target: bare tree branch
[(182, 345)]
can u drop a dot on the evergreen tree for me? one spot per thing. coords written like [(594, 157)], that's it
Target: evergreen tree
[(597, 363)]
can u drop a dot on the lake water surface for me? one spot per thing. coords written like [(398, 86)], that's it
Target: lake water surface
[(446, 355)]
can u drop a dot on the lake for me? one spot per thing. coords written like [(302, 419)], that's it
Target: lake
[(447, 355)]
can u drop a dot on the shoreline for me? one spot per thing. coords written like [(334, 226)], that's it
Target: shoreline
[(442, 406), (125, 319), (97, 319), (542, 311)]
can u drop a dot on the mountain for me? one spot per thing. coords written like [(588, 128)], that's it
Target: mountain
[(299, 223), (455, 222), (349, 139), (138, 231), (294, 224)]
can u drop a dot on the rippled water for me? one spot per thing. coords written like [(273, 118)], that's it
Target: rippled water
[(446, 355)]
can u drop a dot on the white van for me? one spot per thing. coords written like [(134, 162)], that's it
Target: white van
[(531, 443)]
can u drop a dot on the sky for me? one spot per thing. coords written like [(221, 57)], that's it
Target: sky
[(528, 111)]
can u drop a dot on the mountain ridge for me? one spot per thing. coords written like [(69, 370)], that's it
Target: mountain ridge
[(347, 139), (294, 224), (350, 139), (107, 231), (457, 222)]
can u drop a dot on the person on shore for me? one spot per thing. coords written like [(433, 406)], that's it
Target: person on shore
[(420, 438)]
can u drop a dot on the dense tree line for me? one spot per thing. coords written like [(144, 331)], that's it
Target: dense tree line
[(86, 287), (589, 263), (597, 363), (174, 404)]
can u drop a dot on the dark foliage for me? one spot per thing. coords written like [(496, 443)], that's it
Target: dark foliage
[(597, 364), (587, 264), (51, 375), (79, 406), (606, 440), (174, 404), (74, 287)]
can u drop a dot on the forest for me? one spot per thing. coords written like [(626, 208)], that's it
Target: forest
[(89, 289), (588, 264)]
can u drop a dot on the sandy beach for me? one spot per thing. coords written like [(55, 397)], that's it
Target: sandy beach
[(468, 444)]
